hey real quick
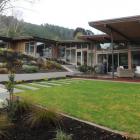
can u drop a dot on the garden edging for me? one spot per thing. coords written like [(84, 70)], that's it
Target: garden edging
[(124, 135)]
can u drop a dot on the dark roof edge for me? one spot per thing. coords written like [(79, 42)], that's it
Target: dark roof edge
[(114, 20)]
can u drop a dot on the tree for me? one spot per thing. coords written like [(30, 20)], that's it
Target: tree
[(4, 4), (79, 31)]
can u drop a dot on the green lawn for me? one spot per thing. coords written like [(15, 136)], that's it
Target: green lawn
[(111, 104)]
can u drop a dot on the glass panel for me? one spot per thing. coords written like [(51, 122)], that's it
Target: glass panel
[(90, 59), (27, 48), (62, 52), (123, 60), (78, 58), (68, 55), (136, 58), (73, 55), (78, 46), (84, 61), (106, 46), (110, 62), (31, 49)]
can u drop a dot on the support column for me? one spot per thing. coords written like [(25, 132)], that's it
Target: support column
[(94, 55), (76, 55), (129, 58), (70, 54), (81, 56), (118, 59), (65, 55), (107, 62), (112, 49), (35, 49)]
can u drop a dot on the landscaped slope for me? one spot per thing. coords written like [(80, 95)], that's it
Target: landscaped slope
[(112, 104), (22, 63)]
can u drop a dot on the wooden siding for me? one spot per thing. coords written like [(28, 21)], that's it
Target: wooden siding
[(18, 46)]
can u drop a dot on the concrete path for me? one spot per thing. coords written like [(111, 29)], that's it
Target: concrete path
[(3, 95), (39, 85), (34, 86), (71, 68), (35, 76), (51, 83), (26, 87)]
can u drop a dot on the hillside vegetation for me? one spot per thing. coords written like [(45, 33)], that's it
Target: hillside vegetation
[(10, 26)]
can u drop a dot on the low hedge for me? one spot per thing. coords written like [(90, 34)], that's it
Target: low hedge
[(85, 69), (30, 69)]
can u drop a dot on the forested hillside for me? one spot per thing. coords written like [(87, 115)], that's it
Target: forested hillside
[(10, 26), (48, 31)]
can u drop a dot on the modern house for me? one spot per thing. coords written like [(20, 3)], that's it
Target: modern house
[(117, 46)]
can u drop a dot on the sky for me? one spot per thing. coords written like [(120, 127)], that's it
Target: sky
[(75, 13)]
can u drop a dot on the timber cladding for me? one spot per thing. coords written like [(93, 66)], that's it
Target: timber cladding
[(18, 46)]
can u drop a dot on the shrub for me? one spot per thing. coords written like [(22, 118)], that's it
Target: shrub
[(4, 124), (98, 69), (41, 118), (18, 110), (41, 62), (60, 135), (3, 65), (85, 69), (17, 64), (53, 65), (30, 69), (10, 85), (3, 70)]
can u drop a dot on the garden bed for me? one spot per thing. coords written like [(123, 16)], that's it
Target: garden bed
[(76, 128)]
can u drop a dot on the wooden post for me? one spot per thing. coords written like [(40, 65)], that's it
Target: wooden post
[(112, 49), (94, 55), (70, 54), (129, 58), (81, 56), (65, 54)]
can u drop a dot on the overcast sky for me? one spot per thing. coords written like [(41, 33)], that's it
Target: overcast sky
[(76, 13)]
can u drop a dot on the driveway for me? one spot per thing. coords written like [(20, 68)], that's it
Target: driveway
[(35, 76)]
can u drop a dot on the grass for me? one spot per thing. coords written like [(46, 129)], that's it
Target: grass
[(111, 104)]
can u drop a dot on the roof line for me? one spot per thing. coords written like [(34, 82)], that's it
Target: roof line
[(114, 20)]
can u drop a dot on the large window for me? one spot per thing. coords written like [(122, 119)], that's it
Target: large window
[(90, 59), (29, 47), (123, 60), (61, 52), (78, 58), (136, 58)]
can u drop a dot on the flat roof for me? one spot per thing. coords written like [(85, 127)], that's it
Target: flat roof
[(6, 39), (123, 29), (33, 38), (63, 42)]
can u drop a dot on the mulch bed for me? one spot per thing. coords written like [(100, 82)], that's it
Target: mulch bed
[(79, 131)]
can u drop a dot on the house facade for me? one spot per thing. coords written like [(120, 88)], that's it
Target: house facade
[(118, 46)]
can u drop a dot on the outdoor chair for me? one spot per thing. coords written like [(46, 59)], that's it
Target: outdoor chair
[(137, 71), (121, 72)]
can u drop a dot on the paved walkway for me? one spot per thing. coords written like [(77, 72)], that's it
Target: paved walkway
[(34, 86), (35, 76)]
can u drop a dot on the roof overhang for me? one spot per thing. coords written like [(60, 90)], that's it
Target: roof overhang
[(34, 38), (72, 42), (5, 39), (122, 29), (101, 38)]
